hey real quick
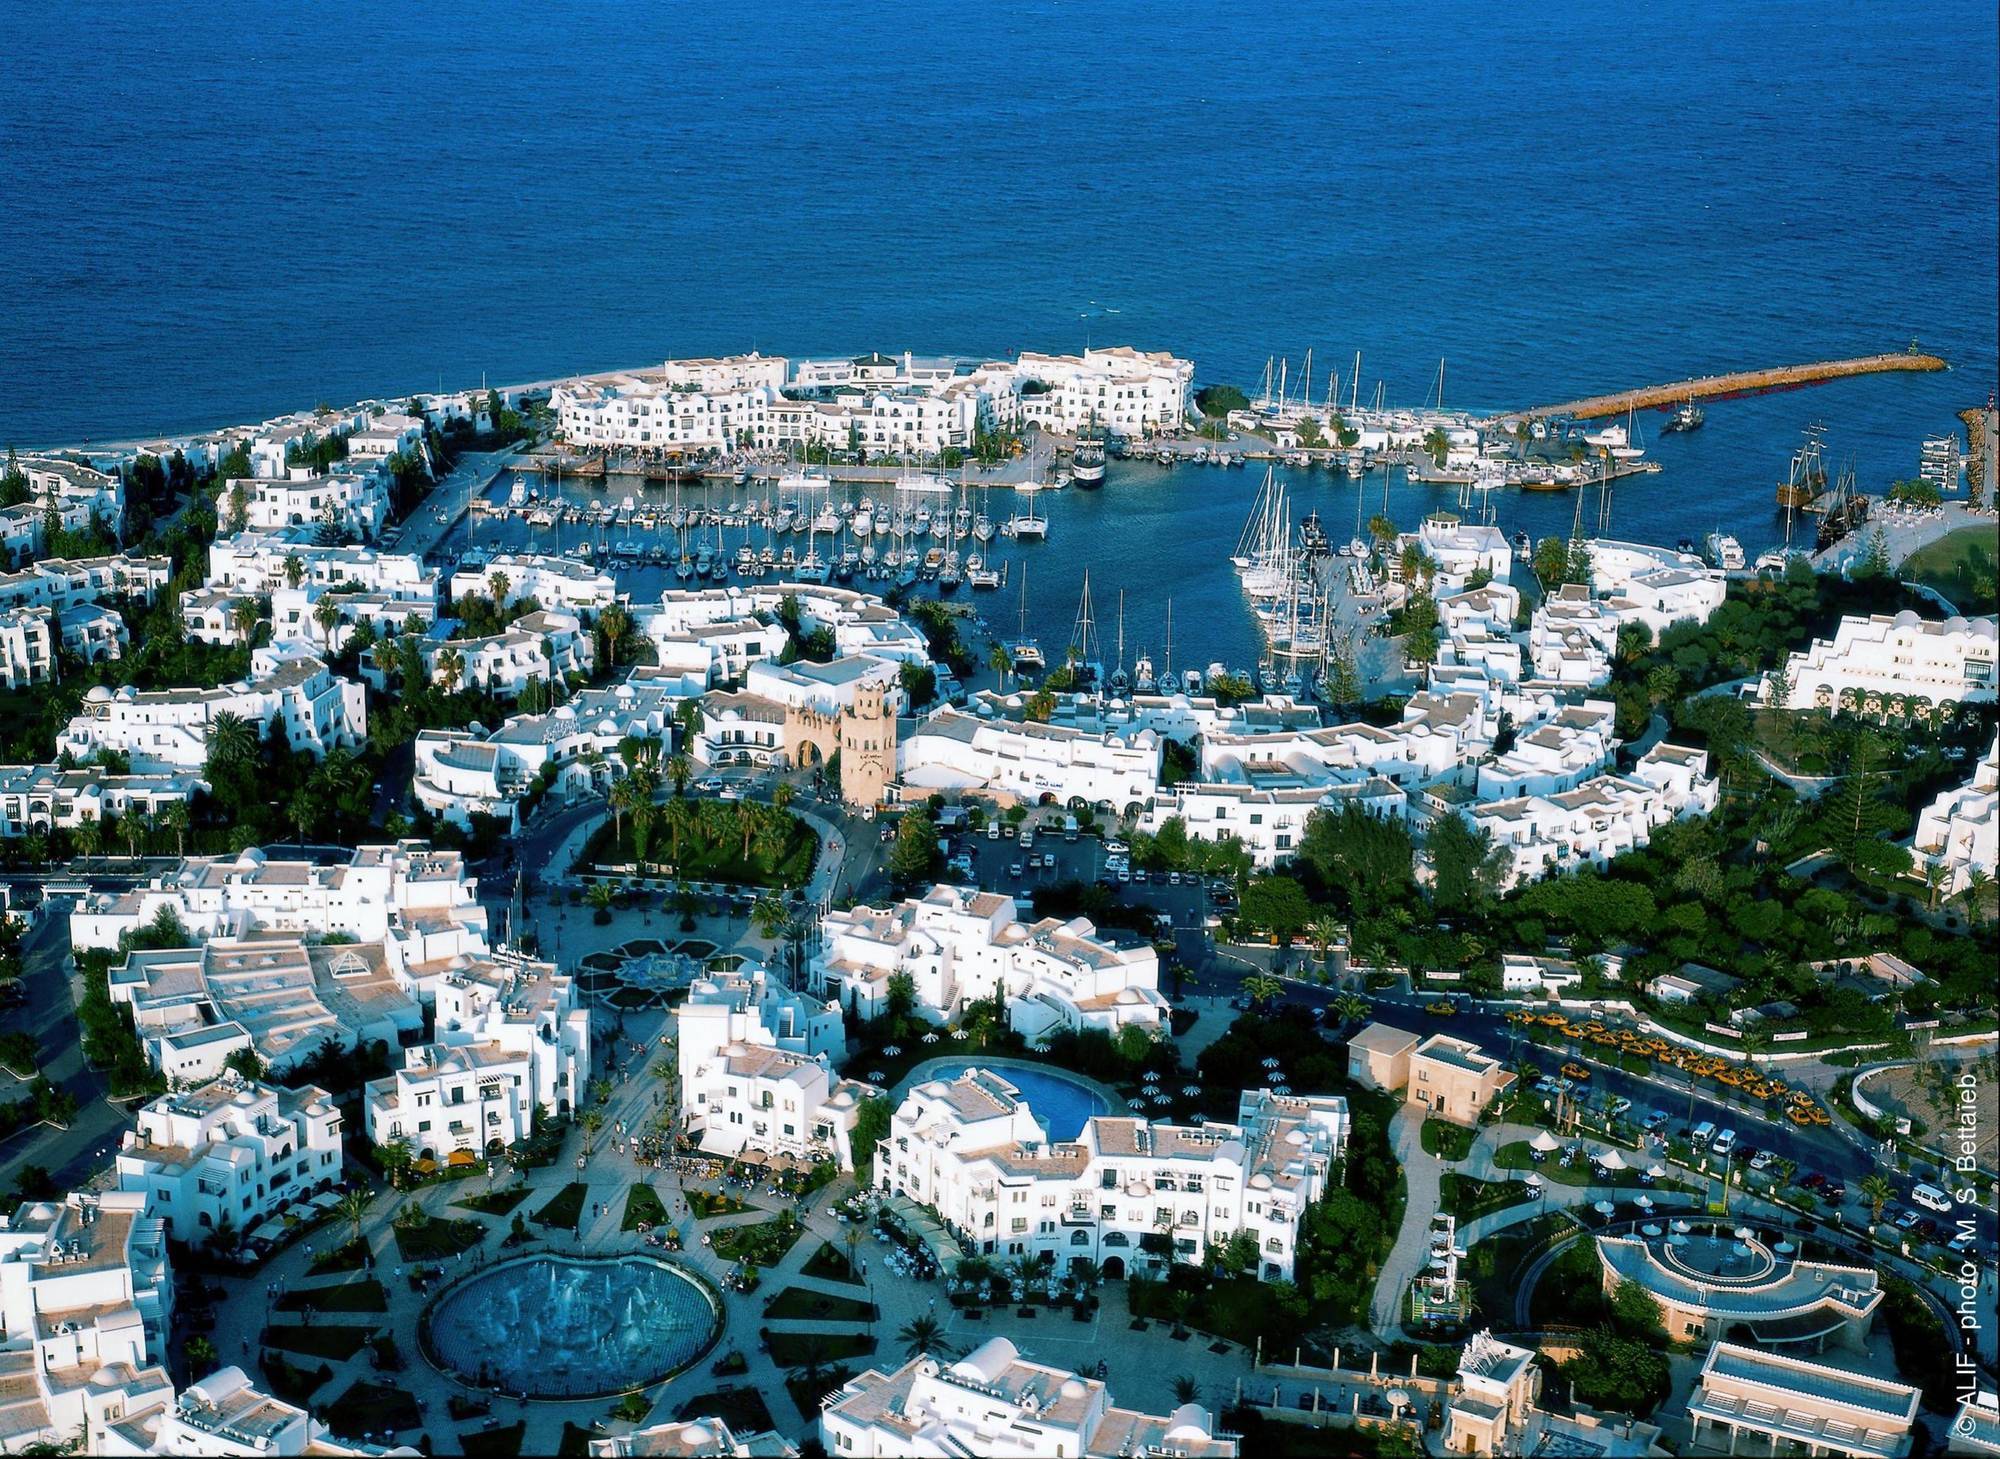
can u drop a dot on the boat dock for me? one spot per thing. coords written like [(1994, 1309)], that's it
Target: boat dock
[(1730, 386)]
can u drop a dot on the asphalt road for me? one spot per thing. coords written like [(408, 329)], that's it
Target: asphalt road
[(49, 1013)]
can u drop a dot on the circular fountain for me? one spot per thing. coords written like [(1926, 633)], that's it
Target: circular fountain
[(571, 1327)]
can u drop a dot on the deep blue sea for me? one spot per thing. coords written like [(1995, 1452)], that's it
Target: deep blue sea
[(217, 213)]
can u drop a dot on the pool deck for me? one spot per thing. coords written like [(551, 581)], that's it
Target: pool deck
[(1114, 1102)]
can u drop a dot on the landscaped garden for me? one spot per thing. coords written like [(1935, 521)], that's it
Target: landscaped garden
[(330, 1340), (643, 1207), (362, 1296), (706, 1204), (1468, 1198), (706, 840), (794, 1349), (495, 1202), (370, 1407), (419, 1237), (762, 1245), (565, 1207), (1446, 1140), (808, 1306), (830, 1264)]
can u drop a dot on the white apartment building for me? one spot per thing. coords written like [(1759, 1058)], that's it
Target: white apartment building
[(229, 1154), (86, 1298), (352, 499), (1602, 818), (752, 1007), (758, 1099), (262, 563), (711, 655), (686, 406), (27, 647), (408, 893), (1459, 550), (1871, 660), (1548, 976), (226, 1416), (741, 729), (42, 798), (460, 774), (961, 946), (512, 1041), (827, 688), (295, 613), (1784, 1403), (1124, 1193), (91, 631), (275, 995), (554, 582), (996, 1404), (1654, 585), (59, 582), (1030, 762), (290, 694), (1959, 832), (78, 495), (1268, 812), (1555, 756), (861, 623), (1132, 392), (698, 1438), (388, 434), (536, 648)]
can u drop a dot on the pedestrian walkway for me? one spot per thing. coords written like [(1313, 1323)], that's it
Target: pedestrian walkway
[(1412, 1248)]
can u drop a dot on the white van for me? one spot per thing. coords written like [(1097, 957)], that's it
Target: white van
[(1931, 1198), (1701, 1134), (1724, 1142)]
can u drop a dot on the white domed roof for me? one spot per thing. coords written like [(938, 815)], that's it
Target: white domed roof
[(98, 695)]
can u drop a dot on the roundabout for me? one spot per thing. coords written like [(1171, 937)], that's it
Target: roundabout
[(567, 1327)]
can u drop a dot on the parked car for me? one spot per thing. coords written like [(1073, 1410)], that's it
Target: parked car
[(1906, 1220), (1762, 1160), (1617, 1105), (1443, 1008), (1654, 1120), (1576, 1072)]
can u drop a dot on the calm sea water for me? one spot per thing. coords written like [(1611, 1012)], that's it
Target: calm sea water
[(224, 212)]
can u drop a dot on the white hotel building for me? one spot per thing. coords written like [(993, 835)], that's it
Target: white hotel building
[(226, 1416), (511, 1042), (758, 1099), (291, 693), (86, 1301), (1785, 1404), (1959, 831), (407, 892), (230, 1153), (460, 774), (1133, 392), (996, 1404), (535, 648), (60, 582), (40, 798), (1870, 660), (1028, 762), (1601, 818), (554, 582), (260, 563), (1127, 1194), (961, 946)]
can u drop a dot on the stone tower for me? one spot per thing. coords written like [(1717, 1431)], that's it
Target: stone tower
[(867, 747)]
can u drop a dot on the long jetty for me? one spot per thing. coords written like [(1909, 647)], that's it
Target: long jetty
[(1724, 387)]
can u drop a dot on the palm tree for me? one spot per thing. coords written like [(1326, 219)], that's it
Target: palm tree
[(88, 837), (295, 570), (615, 623), (680, 770), (245, 615), (1351, 1006), (1180, 1302), (625, 796), (599, 896), (450, 669), (326, 613), (1972, 895), (681, 819), (1000, 662), (769, 916), (1876, 1190), (201, 1353), (174, 817), (353, 1207), (395, 1155), (1263, 988), (500, 584), (1325, 932), (592, 1121), (1186, 1390), (231, 740), (782, 794), (922, 1335), (746, 824)]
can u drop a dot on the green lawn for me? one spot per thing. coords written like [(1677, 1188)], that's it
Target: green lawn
[(331, 1341), (831, 1264), (762, 1245), (1238, 1309), (643, 1207), (565, 1208), (348, 1257), (705, 1205), (371, 1408), (495, 1203), (1960, 566), (1468, 1198), (363, 1296), (795, 1349), (797, 1302), (501, 1443), (1446, 1140), (291, 1382), (435, 1240)]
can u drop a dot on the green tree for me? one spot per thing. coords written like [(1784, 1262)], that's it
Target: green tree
[(1636, 1311), (1216, 401), (900, 996), (231, 741), (913, 856), (1877, 1191), (1263, 988), (1466, 867), (922, 1335), (871, 1127), (769, 915)]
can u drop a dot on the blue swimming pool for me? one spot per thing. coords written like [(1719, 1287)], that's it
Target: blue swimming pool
[(1060, 1103)]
